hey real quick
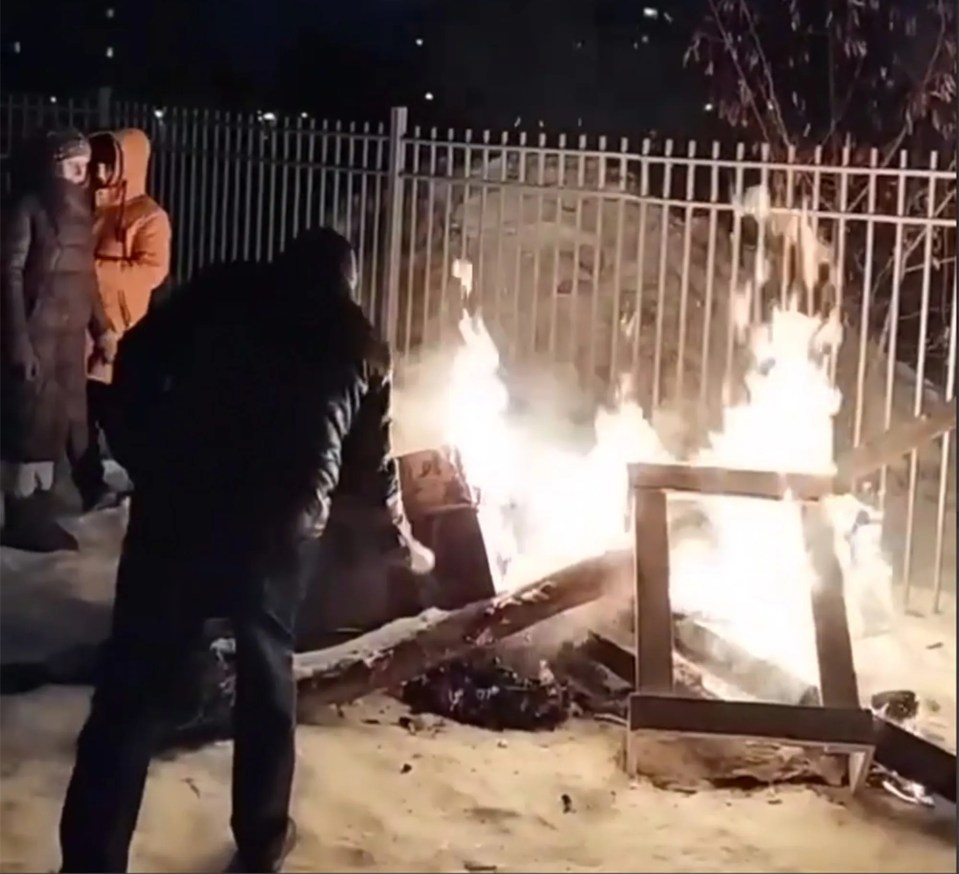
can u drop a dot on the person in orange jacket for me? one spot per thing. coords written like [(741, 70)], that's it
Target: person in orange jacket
[(132, 259)]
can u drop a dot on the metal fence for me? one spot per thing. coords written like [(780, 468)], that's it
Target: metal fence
[(595, 258)]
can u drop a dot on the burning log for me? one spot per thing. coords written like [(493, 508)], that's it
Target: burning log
[(408, 648)]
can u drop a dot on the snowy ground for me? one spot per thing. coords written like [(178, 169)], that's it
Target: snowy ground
[(469, 800), (372, 796)]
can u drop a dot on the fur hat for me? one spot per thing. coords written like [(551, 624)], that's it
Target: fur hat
[(65, 144)]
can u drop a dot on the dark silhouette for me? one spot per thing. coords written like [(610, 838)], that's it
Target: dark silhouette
[(245, 400), (49, 303)]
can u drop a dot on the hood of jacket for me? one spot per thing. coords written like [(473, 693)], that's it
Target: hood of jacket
[(128, 154)]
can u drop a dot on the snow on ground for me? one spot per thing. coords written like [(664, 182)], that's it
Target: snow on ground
[(371, 796), (469, 800)]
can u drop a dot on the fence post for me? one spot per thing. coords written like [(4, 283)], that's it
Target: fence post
[(388, 315), (103, 106)]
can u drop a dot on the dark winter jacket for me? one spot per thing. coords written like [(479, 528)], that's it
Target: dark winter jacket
[(49, 300), (245, 401)]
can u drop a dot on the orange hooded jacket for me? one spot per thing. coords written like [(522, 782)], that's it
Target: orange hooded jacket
[(132, 235)]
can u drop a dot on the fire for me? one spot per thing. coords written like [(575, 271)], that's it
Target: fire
[(542, 506)]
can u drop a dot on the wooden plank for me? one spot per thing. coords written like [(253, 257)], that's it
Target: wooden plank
[(847, 728), (891, 445), (916, 759), (405, 649), (654, 619), (837, 670), (721, 481)]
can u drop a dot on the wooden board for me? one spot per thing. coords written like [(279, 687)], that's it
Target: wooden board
[(848, 729), (721, 481)]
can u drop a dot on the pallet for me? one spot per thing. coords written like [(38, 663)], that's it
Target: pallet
[(838, 726)]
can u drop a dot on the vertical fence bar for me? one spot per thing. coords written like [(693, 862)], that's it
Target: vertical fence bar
[(704, 365), (284, 187), (178, 140), (920, 377), (841, 246), (892, 318), (501, 224), (866, 314), (447, 223), (216, 209), (247, 212), (573, 321), (600, 200), (480, 277), (944, 477), (464, 204), (363, 247), (378, 281), (557, 236), (310, 172), (784, 267), (661, 273), (616, 315), (298, 183), (194, 204), (324, 152), (684, 270), (515, 348), (413, 188), (734, 270), (760, 273), (270, 234), (641, 256), (337, 171), (351, 161), (258, 246), (537, 242), (389, 314), (428, 269)]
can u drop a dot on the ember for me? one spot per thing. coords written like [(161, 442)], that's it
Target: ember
[(489, 694)]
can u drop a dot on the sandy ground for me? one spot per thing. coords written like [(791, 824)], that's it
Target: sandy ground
[(374, 797)]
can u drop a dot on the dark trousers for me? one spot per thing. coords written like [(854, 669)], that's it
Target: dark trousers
[(161, 606), (88, 469)]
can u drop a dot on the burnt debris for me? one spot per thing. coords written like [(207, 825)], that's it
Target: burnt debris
[(487, 693)]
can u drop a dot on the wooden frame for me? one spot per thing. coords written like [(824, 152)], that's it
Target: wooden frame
[(840, 725)]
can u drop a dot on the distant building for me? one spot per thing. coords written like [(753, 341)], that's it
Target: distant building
[(60, 44)]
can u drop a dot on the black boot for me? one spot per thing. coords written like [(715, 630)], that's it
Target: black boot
[(266, 866), (29, 525), (100, 497)]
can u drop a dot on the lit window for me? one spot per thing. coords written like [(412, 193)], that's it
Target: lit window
[(16, 47), (109, 12), (428, 95), (650, 12), (109, 51)]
